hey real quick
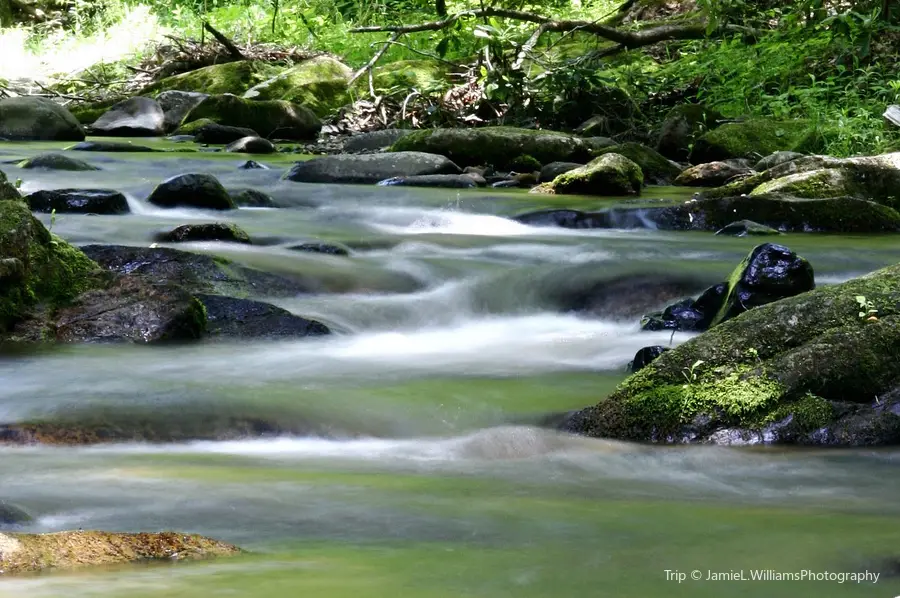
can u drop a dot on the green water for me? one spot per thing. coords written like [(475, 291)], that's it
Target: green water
[(422, 473)]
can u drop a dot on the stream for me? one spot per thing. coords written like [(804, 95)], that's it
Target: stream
[(428, 476)]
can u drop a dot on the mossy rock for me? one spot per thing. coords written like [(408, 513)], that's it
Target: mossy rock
[(681, 127), (230, 77), (321, 84), (752, 138), (656, 168), (402, 75), (24, 553), (7, 189), (270, 118), (813, 184), (87, 113), (38, 268), (610, 174), (495, 146), (808, 369)]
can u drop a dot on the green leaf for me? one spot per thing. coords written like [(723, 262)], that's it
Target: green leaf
[(442, 47)]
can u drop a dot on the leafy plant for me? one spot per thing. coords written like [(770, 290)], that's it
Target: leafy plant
[(867, 309)]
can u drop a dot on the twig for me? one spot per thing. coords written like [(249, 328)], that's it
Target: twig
[(368, 66), (419, 52), (229, 45)]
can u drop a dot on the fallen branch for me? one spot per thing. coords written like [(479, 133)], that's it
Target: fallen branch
[(229, 45), (368, 66)]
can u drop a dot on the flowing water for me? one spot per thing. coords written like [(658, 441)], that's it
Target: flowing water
[(425, 475)]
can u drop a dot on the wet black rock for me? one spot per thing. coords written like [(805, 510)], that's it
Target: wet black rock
[(449, 181), (193, 190), (326, 248), (211, 231), (11, 515), (554, 169), (251, 145), (134, 117), (110, 146), (37, 119), (229, 317), (644, 356), (564, 218), (252, 198), (56, 162), (369, 168), (78, 201), (252, 165)]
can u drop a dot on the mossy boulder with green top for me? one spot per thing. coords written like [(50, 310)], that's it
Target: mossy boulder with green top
[(230, 77), (818, 368), (754, 138), (270, 118), (499, 147), (321, 84), (610, 174), (657, 169), (403, 75)]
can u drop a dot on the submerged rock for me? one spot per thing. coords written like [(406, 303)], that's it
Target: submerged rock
[(495, 146), (818, 368), (229, 317), (629, 296), (214, 231), (176, 105), (271, 118), (448, 181), (134, 117), (11, 515), (326, 248), (610, 174), (252, 198), (56, 162), (109, 146), (369, 168), (194, 190), (252, 165), (24, 553), (251, 145), (78, 201), (656, 169), (37, 119), (745, 228), (712, 174)]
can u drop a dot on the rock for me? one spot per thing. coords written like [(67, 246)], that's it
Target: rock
[(320, 83), (450, 181), (524, 180), (625, 297), (771, 272), (109, 146), (554, 169), (775, 159), (132, 309), (207, 131), (595, 144), (681, 127), (524, 164), (251, 145), (47, 271), (369, 168), (657, 170), (56, 162), (804, 370), (325, 248), (271, 118), (753, 138), (374, 140), (87, 113), (78, 201), (252, 165), (405, 74), (11, 515), (202, 191), (744, 228), (644, 356), (564, 218), (198, 273), (229, 77), (215, 231), (37, 119), (813, 184), (252, 198), (610, 174), (7, 189), (242, 318), (712, 174), (134, 117), (23, 553), (495, 146), (176, 105)]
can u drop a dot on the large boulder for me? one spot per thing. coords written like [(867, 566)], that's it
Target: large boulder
[(36, 268), (176, 105), (657, 169), (37, 119), (771, 272), (369, 168), (496, 146), (320, 83), (818, 368), (682, 125), (28, 553), (134, 117), (230, 77), (610, 174), (231, 318), (193, 190), (78, 201), (271, 118), (753, 139)]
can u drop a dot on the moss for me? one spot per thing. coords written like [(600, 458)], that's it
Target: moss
[(231, 77), (495, 146), (405, 75), (753, 138), (87, 113), (270, 117), (320, 84), (7, 189), (656, 168), (610, 174), (814, 184), (524, 163), (808, 413)]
